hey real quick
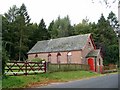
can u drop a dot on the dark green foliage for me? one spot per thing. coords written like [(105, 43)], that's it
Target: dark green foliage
[(37, 60), (31, 32), (113, 20), (12, 13), (82, 28), (61, 28), (50, 28), (43, 32), (112, 54), (15, 28), (106, 40), (39, 33), (4, 60)]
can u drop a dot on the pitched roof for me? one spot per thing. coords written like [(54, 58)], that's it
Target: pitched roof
[(93, 53), (60, 44)]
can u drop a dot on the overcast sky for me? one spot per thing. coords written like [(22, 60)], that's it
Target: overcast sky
[(50, 9)]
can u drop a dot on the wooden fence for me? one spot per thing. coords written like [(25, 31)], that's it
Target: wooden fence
[(110, 68), (66, 67), (25, 68)]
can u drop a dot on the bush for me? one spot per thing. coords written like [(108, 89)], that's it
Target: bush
[(37, 60), (4, 60)]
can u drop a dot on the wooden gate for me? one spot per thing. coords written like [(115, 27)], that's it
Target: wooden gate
[(25, 68)]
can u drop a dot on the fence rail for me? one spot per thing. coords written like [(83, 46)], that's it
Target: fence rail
[(24, 68), (110, 68)]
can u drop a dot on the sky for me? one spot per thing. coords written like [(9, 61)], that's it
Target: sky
[(50, 9)]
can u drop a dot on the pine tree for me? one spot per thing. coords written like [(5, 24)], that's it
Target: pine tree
[(42, 30), (50, 29)]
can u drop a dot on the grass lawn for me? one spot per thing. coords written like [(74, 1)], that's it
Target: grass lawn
[(45, 78)]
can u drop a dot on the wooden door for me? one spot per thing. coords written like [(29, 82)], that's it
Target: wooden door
[(91, 64)]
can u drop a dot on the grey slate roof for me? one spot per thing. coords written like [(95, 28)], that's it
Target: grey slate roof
[(60, 44), (93, 53)]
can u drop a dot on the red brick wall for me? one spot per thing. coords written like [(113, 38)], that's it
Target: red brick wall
[(41, 55), (86, 49), (75, 58), (99, 67)]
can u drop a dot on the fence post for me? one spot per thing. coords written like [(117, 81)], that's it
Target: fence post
[(26, 68), (75, 66), (68, 66), (116, 68), (45, 66), (48, 67), (59, 66), (44, 63)]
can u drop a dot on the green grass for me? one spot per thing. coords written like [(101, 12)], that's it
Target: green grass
[(26, 81), (71, 75)]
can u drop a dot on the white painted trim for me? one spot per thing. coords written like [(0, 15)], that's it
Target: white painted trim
[(69, 53)]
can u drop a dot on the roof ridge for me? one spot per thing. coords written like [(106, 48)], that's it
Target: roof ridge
[(67, 37)]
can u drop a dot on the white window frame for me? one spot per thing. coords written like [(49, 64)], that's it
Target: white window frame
[(69, 57)]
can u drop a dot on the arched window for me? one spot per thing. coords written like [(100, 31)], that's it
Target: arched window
[(69, 54), (58, 57), (49, 57), (99, 62), (36, 55)]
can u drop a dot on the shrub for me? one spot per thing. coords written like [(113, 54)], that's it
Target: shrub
[(37, 60), (4, 60)]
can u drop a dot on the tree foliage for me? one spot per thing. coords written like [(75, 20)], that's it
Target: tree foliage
[(15, 28), (82, 28), (61, 28), (105, 37)]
